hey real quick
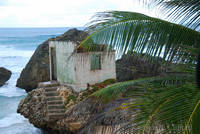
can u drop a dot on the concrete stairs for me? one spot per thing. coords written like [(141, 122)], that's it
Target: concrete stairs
[(55, 106), (48, 84)]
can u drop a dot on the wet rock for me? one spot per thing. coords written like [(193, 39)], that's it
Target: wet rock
[(34, 107), (5, 75)]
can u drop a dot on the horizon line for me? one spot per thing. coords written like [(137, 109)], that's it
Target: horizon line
[(44, 27)]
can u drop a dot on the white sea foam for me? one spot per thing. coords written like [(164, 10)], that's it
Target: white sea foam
[(19, 125), (20, 129), (7, 91), (13, 123), (6, 51), (16, 48), (15, 64), (11, 120)]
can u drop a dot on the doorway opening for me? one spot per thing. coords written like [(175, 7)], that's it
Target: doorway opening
[(53, 64)]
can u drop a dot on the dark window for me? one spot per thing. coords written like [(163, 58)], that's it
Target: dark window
[(95, 61)]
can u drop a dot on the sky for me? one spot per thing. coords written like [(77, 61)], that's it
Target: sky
[(59, 13)]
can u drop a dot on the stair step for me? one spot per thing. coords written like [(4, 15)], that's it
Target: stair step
[(54, 98), (48, 84), (54, 102), (56, 114), (53, 118), (54, 93), (56, 107), (50, 89), (56, 117), (56, 111)]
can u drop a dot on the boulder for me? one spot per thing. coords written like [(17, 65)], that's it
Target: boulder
[(4, 75), (33, 107), (37, 69), (131, 67)]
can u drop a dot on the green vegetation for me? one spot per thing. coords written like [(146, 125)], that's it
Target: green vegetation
[(97, 87), (115, 90), (131, 88), (170, 102), (69, 98), (86, 93)]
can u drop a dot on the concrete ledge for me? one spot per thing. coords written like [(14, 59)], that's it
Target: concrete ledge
[(48, 84), (76, 87)]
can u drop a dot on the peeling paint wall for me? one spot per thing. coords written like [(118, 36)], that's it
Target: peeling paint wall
[(74, 69), (65, 62), (83, 73)]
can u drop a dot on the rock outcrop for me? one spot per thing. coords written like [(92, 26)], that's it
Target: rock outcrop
[(130, 67), (37, 69), (89, 116), (5, 75)]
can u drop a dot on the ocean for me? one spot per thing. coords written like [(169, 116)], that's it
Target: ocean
[(16, 47)]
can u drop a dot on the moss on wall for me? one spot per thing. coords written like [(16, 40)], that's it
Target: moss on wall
[(65, 63)]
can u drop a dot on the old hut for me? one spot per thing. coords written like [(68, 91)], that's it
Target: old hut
[(78, 69)]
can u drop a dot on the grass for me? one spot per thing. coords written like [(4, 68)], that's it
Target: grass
[(69, 98), (116, 90)]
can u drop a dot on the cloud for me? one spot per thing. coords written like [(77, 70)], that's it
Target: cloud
[(57, 13), (3, 2)]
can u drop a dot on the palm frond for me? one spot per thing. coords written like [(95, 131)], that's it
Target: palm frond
[(134, 32), (185, 12), (163, 104)]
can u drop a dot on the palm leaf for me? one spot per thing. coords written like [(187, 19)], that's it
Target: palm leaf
[(169, 103), (185, 12), (163, 104), (172, 109), (134, 32)]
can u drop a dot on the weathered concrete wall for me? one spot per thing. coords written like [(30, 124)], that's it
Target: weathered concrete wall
[(84, 74), (64, 61), (74, 69)]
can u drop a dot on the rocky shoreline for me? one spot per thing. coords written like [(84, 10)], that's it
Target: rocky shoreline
[(87, 116), (83, 113), (5, 75)]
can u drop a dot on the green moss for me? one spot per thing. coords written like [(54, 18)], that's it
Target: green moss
[(69, 98), (109, 81)]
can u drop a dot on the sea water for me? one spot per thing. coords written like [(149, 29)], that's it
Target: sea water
[(16, 47)]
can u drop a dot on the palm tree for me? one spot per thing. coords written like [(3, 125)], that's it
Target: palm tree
[(169, 103), (184, 12)]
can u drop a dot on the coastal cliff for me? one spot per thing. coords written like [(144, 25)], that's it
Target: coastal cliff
[(78, 113), (83, 115)]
